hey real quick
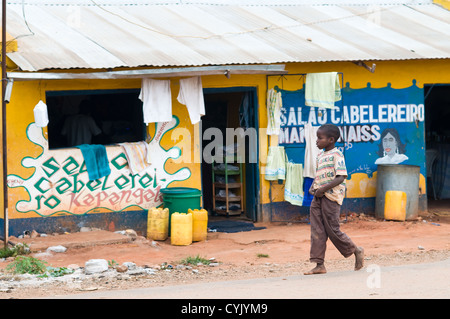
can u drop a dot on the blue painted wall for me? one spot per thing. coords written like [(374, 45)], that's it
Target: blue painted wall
[(364, 116)]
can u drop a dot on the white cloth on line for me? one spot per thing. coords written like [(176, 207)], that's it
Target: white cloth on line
[(322, 89), (191, 95), (276, 164), (138, 156), (311, 151), (274, 104), (293, 187), (157, 100)]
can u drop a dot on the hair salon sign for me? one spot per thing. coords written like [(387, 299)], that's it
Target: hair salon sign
[(378, 126), (60, 181)]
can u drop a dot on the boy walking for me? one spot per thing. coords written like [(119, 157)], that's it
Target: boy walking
[(328, 189)]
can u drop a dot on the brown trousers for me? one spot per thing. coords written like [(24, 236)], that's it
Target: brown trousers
[(324, 218)]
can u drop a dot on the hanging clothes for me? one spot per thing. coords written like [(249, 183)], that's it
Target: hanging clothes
[(276, 164), (293, 188), (191, 95), (322, 89), (138, 156), (96, 160), (311, 150), (274, 104), (307, 197), (157, 100)]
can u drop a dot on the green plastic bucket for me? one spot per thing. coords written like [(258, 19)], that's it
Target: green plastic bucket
[(180, 199)]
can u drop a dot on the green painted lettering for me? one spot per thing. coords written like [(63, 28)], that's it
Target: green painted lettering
[(52, 202), (105, 180), (121, 182), (38, 199), (77, 184), (49, 164), (71, 166), (145, 180), (38, 185), (64, 186), (93, 188)]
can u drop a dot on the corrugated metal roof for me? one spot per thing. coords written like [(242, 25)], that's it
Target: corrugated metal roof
[(109, 34)]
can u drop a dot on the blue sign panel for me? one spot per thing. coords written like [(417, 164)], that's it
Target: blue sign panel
[(378, 126)]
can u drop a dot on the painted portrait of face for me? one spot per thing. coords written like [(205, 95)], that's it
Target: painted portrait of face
[(390, 145), (391, 150)]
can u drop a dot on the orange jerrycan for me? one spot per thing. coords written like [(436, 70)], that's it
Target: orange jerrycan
[(181, 229), (395, 205), (158, 223), (199, 224)]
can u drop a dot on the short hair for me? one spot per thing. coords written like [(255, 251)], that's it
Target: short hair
[(331, 130)]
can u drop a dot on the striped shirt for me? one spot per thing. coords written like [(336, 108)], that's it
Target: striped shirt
[(328, 165)]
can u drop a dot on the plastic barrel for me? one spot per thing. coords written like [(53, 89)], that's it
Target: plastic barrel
[(395, 205), (158, 224), (404, 178), (180, 199), (199, 224), (181, 232)]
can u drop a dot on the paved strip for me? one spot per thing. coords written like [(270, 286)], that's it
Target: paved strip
[(427, 280)]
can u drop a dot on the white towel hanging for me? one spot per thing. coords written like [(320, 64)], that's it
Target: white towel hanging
[(157, 100)]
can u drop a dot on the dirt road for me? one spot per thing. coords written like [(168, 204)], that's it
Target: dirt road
[(424, 281), (278, 250)]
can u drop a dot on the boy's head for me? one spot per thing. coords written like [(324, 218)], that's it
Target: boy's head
[(327, 135), (331, 130)]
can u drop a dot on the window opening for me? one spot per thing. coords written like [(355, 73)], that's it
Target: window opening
[(94, 117)]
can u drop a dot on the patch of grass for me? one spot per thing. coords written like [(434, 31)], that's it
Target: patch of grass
[(27, 265), (19, 249), (6, 252), (34, 266), (262, 255), (56, 272), (195, 260)]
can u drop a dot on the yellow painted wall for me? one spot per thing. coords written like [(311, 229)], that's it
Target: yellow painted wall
[(26, 94), (444, 3), (399, 74)]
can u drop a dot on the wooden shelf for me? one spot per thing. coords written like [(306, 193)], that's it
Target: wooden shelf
[(235, 186), (230, 185), (229, 198), (228, 172), (229, 212)]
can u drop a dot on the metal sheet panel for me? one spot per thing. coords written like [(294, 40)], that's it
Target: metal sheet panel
[(107, 34)]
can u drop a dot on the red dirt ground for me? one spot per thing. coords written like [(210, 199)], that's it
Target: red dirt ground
[(281, 242)]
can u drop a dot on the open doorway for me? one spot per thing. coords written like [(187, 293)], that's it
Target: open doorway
[(437, 131), (230, 109)]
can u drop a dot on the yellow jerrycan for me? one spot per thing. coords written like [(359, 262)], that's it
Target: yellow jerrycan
[(395, 205), (158, 223), (181, 229), (199, 224)]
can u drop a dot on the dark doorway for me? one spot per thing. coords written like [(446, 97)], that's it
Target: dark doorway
[(232, 108), (437, 132)]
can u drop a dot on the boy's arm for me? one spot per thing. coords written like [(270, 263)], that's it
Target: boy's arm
[(336, 181), (311, 190)]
